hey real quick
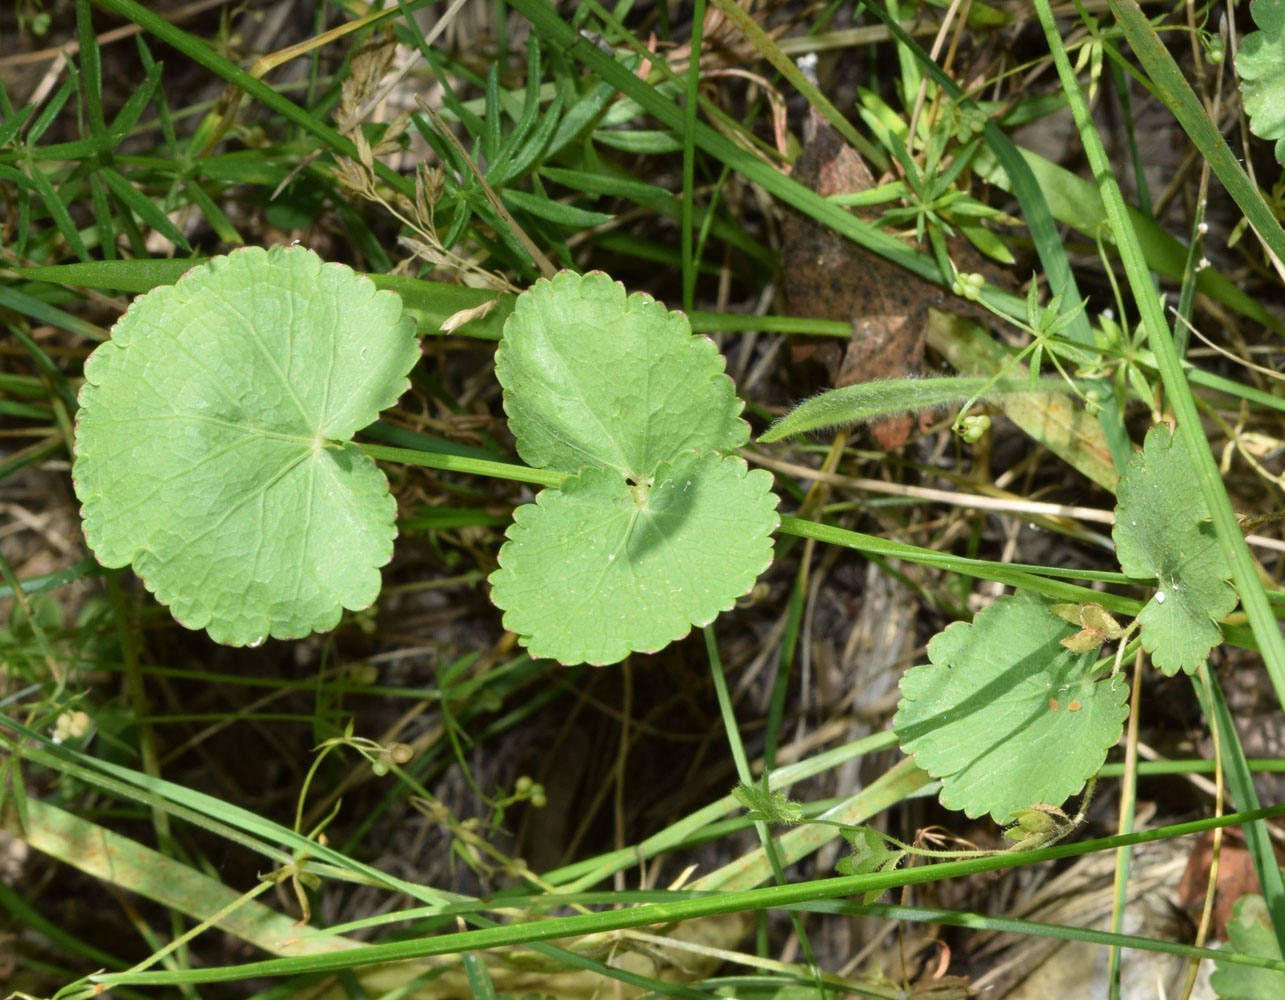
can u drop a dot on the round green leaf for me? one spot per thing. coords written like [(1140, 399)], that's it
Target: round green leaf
[(593, 377), (1163, 530), (598, 567), (1005, 715), (213, 442)]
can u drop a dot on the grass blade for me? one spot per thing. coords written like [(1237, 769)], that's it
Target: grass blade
[(1178, 393)]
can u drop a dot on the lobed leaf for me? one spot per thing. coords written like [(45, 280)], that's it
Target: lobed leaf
[(213, 445), (1004, 715), (1260, 64), (1250, 931), (1163, 531)]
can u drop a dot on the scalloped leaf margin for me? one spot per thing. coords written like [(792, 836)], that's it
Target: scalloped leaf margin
[(1004, 715), (1260, 64), (660, 525), (213, 442), (1163, 531)]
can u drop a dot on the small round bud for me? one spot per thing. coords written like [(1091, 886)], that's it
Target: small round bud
[(972, 427), (968, 286), (400, 753)]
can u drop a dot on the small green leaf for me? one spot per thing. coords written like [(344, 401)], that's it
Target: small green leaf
[(213, 447), (592, 378), (1260, 64), (988, 243), (1250, 930), (870, 852), (1004, 715), (143, 207), (1162, 531), (765, 805), (556, 211), (600, 567)]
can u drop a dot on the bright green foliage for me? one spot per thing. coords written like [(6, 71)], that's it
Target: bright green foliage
[(1037, 827), (870, 853), (660, 528), (1162, 531), (213, 442), (1005, 715), (765, 805), (1260, 63), (592, 378), (1250, 930)]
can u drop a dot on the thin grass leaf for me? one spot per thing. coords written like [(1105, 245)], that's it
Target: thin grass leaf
[(83, 570), (14, 122), (580, 113), (526, 120), (1190, 113), (135, 276), (33, 921), (91, 67), (119, 861), (6, 105), (866, 401), (602, 183), (163, 116), (645, 142), (53, 107), (783, 64), (25, 305), (533, 150), (57, 210), (142, 206), (1076, 202), (1054, 421), (479, 980), (475, 124), (1034, 928), (1159, 338), (133, 107), (212, 213), (556, 211), (491, 123), (559, 33), (687, 909), (1240, 783), (201, 53), (1044, 234)]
